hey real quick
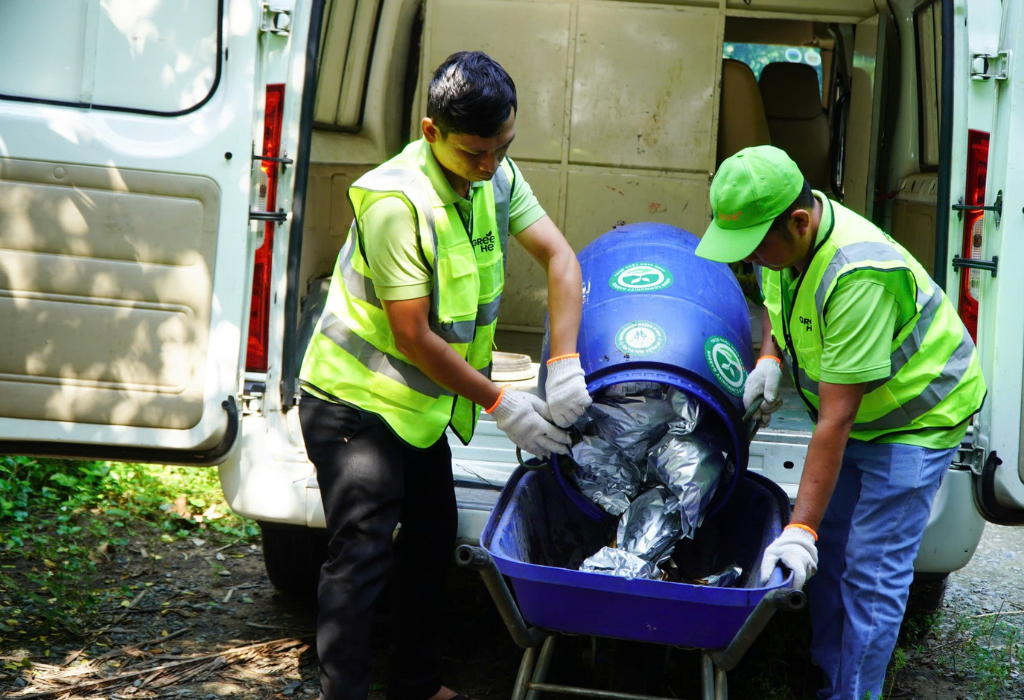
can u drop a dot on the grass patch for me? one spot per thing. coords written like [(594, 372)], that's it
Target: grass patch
[(61, 519), (983, 653)]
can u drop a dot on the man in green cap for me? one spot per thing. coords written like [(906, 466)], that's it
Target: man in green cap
[(891, 379)]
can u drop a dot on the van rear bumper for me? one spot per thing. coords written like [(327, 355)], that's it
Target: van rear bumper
[(267, 478)]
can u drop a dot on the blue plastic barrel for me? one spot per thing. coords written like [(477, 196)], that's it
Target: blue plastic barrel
[(654, 311)]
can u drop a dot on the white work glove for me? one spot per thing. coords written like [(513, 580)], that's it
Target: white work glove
[(525, 419), (764, 381), (795, 549), (566, 390)]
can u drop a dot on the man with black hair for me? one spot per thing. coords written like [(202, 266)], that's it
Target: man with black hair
[(890, 377), (402, 352)]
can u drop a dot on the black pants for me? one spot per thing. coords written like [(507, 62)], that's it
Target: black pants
[(369, 482)]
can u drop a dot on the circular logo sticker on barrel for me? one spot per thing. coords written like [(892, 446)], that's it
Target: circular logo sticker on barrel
[(640, 277), (640, 338), (725, 364)]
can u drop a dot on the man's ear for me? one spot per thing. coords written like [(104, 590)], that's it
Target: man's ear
[(429, 129), (800, 222)]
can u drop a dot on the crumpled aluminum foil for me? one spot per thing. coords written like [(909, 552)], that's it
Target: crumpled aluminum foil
[(604, 475), (723, 579), (618, 562), (691, 467), (632, 423), (651, 525), (688, 412)]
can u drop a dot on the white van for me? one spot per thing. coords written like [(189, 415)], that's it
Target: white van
[(172, 201)]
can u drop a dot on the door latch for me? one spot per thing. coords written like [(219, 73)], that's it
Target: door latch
[(277, 16), (988, 66), (996, 207)]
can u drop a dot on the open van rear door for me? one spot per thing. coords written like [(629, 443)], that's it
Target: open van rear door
[(985, 221), (126, 178)]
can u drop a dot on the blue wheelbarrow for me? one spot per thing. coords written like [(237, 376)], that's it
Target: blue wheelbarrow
[(540, 531)]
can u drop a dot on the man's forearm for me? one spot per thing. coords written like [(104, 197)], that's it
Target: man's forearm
[(565, 302), (821, 472), (436, 359), (768, 344)]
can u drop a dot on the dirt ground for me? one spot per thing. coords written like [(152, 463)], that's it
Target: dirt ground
[(205, 622)]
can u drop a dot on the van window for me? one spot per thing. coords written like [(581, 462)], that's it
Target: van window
[(757, 56), (927, 23), (346, 41), (124, 55)]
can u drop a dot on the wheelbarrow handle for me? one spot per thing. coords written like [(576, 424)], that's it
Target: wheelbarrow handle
[(478, 559), (782, 599)]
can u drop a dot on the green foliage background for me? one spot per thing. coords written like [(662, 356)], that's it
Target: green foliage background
[(55, 514)]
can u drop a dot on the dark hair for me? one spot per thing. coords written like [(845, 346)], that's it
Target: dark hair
[(804, 200), (470, 94)]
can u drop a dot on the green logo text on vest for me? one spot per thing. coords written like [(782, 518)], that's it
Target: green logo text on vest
[(725, 364), (485, 244), (640, 277), (640, 338)]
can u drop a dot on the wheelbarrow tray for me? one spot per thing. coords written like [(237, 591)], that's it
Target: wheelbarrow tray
[(537, 538)]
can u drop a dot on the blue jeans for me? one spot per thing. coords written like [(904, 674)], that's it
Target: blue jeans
[(867, 542)]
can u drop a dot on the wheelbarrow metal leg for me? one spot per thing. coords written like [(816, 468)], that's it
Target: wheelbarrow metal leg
[(526, 667), (547, 652), (721, 685), (707, 677), (778, 599)]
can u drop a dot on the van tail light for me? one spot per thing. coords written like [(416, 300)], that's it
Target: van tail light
[(259, 309), (974, 222)]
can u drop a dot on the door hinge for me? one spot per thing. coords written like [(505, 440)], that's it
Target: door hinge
[(277, 16), (972, 458), (987, 66)]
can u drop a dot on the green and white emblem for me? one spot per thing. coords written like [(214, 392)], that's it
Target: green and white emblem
[(640, 338), (640, 277), (725, 364)]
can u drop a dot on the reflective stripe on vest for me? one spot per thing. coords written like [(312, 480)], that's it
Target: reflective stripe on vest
[(352, 355), (934, 379)]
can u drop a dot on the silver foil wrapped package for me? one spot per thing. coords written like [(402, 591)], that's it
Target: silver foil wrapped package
[(691, 467), (651, 525), (632, 423), (723, 579), (604, 475), (687, 412), (618, 562)]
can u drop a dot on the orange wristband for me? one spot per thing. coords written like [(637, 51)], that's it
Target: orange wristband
[(768, 357), (562, 357), (805, 528), (501, 394)]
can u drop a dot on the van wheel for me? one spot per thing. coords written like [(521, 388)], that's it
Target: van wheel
[(293, 556), (926, 594)]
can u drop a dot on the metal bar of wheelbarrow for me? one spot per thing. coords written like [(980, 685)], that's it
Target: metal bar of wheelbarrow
[(478, 559), (785, 599)]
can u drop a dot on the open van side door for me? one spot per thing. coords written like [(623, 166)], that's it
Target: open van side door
[(985, 221), (126, 183)]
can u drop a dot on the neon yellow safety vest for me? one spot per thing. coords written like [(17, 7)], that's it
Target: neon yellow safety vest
[(352, 355), (935, 380)]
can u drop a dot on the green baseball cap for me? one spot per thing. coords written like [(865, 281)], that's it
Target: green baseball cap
[(750, 189)]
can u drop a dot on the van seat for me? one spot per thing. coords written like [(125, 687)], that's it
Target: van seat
[(741, 116), (796, 120)]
